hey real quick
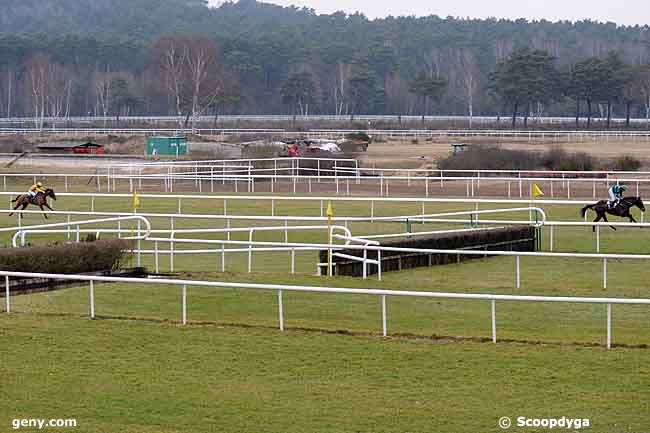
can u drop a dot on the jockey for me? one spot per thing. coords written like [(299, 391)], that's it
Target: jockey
[(35, 189), (616, 194)]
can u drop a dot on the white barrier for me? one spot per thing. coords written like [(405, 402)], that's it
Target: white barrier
[(21, 232), (341, 171), (383, 294), (369, 246), (539, 220)]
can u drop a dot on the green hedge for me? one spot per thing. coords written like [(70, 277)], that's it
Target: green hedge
[(68, 258)]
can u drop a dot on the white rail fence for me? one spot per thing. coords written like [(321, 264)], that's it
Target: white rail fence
[(281, 288), (536, 217), (250, 247), (426, 186), (336, 133), (226, 118)]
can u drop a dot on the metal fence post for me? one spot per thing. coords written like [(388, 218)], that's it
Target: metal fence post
[(609, 326), (280, 311), (365, 263), (379, 265), (139, 245), (7, 299), (184, 304), (92, 300), (604, 273), (155, 253), (494, 321), (518, 275), (250, 250), (383, 316), (551, 238)]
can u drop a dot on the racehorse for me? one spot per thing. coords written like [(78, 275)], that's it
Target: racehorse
[(621, 210), (40, 200)]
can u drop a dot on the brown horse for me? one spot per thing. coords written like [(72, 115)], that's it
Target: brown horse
[(40, 200)]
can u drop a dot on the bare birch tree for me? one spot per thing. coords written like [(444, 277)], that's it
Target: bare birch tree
[(36, 71)]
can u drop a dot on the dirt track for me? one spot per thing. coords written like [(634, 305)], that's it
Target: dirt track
[(408, 154)]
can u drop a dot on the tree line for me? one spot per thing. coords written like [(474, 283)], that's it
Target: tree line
[(181, 57), (528, 79)]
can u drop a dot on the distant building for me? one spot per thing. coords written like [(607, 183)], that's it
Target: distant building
[(75, 147), (166, 146)]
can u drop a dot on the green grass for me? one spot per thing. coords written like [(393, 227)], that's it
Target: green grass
[(231, 371), (517, 321), (142, 377)]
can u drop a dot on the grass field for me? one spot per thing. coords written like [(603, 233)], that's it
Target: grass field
[(230, 370)]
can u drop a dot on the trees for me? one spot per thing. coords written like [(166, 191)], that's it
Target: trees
[(189, 71), (524, 78), (47, 87), (430, 90), (584, 84), (597, 80), (468, 79), (169, 64), (203, 73), (356, 65), (633, 89), (362, 91), (643, 77), (299, 92), (615, 76)]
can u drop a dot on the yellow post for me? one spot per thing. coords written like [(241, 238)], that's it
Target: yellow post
[(330, 214), (136, 201), (536, 191)]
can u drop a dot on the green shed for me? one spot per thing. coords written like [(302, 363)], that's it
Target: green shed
[(166, 146)]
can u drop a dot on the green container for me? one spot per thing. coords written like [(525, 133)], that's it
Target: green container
[(166, 146)]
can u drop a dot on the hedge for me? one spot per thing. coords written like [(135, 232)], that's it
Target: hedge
[(68, 258), (503, 239)]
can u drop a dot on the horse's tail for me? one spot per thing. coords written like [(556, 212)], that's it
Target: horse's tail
[(583, 211), (15, 200)]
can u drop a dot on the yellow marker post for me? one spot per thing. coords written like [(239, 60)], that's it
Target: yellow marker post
[(136, 201), (330, 214), (536, 191)]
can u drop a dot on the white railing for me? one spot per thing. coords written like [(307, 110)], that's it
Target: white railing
[(228, 118), (345, 184), (364, 260), (369, 245), (248, 246), (23, 231), (138, 234), (537, 217), (280, 288)]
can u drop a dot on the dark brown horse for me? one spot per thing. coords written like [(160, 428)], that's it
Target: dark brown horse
[(40, 200), (621, 210)]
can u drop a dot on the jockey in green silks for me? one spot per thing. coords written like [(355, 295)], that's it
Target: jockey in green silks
[(616, 194)]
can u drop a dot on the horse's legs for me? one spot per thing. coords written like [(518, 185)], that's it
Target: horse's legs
[(606, 220), (48, 206), (44, 214), (599, 216)]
